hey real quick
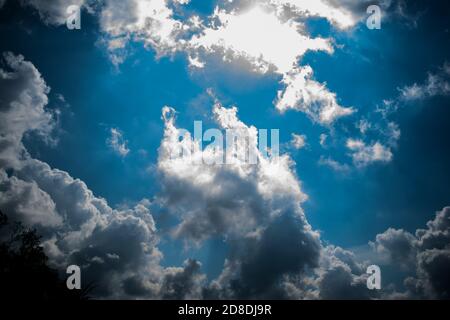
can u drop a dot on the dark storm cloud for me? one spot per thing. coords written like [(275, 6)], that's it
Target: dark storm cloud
[(398, 245), (183, 283), (340, 283), (428, 254), (285, 248), (258, 267), (340, 276)]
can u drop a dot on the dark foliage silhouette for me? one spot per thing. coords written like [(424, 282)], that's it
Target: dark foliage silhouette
[(24, 270)]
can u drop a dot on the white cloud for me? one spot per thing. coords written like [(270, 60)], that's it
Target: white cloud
[(307, 95), (298, 141), (363, 154), (323, 139), (196, 62), (235, 198), (338, 15), (117, 143), (393, 133), (268, 34), (436, 84), (333, 164), (24, 96), (363, 125), (149, 21), (412, 92), (259, 36)]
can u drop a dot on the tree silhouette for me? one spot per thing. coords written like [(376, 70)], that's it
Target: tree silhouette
[(24, 270)]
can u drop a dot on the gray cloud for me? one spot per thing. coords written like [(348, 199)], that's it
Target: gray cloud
[(183, 283), (339, 283), (436, 84), (26, 202), (52, 12), (23, 96), (428, 253), (340, 276), (262, 267), (398, 246)]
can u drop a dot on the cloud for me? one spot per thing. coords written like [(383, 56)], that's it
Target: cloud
[(24, 96), (80, 228), (52, 12), (340, 283), (363, 125), (337, 276), (427, 253), (117, 143), (183, 283), (182, 1), (396, 246), (309, 96), (233, 31), (333, 164), (298, 141), (323, 139), (149, 21), (194, 62), (233, 198), (27, 202), (338, 15), (234, 34), (363, 154), (250, 271), (436, 84), (239, 34)]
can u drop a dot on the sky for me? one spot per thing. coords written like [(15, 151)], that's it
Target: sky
[(90, 116)]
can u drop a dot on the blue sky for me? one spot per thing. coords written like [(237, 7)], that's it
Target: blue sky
[(349, 206)]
